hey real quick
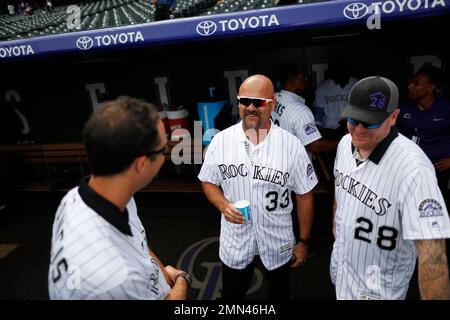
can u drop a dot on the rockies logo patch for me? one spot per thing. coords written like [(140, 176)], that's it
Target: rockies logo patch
[(407, 116), (430, 208), (309, 170), (310, 128)]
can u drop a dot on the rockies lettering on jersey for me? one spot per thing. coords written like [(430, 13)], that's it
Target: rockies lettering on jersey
[(99, 252), (259, 173), (384, 203), (280, 165), (330, 100), (293, 115), (361, 192)]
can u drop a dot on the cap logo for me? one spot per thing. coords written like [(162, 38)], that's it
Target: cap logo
[(378, 100)]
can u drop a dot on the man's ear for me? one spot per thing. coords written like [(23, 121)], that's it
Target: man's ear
[(139, 163), (394, 116), (434, 88), (273, 104)]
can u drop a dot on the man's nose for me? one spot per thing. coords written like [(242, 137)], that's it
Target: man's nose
[(251, 107), (360, 127)]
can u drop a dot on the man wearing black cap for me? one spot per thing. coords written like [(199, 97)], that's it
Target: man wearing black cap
[(388, 207)]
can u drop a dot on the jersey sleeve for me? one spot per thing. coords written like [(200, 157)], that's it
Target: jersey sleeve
[(424, 215), (304, 177), (209, 171), (135, 288), (305, 128), (340, 146)]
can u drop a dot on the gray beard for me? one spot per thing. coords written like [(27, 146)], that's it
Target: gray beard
[(246, 126)]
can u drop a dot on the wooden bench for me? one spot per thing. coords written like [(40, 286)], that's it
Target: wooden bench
[(56, 152), (74, 153), (46, 153)]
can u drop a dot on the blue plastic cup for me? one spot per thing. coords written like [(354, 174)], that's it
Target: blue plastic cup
[(244, 207)]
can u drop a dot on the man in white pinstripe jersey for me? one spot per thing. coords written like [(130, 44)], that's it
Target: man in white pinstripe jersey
[(258, 161), (331, 98), (99, 246), (388, 207), (292, 114)]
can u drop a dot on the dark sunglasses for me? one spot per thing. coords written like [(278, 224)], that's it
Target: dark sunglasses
[(354, 122), (162, 151), (257, 102)]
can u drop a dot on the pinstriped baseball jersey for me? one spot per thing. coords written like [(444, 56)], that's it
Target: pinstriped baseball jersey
[(280, 165), (383, 205), (99, 252), (293, 115), (331, 99)]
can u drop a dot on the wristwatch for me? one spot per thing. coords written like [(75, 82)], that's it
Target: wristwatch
[(186, 277)]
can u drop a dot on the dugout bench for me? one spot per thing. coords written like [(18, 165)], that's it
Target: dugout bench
[(60, 166)]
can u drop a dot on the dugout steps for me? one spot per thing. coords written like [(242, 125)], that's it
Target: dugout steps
[(60, 166)]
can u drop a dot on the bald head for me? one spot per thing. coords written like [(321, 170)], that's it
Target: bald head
[(257, 85)]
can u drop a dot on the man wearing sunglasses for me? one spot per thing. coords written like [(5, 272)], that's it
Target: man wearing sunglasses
[(260, 162), (99, 247), (388, 208)]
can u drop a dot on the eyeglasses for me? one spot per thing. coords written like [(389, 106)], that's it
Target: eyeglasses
[(354, 122), (162, 151), (257, 102)]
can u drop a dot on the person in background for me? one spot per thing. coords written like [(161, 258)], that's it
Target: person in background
[(425, 119), (164, 9)]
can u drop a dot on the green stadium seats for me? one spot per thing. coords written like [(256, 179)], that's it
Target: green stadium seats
[(112, 13)]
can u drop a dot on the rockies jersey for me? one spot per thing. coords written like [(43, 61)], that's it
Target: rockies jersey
[(280, 164), (330, 100), (293, 115), (383, 205), (99, 252)]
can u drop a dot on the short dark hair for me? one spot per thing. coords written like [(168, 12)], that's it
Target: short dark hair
[(290, 72), (433, 73), (119, 132)]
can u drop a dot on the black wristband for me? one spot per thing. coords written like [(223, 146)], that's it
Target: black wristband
[(186, 276)]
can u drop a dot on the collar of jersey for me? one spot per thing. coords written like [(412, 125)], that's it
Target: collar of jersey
[(242, 138), (293, 96), (379, 151), (104, 208)]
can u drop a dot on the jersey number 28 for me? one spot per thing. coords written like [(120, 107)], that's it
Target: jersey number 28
[(387, 236)]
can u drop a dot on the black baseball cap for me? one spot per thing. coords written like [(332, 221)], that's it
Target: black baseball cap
[(371, 100)]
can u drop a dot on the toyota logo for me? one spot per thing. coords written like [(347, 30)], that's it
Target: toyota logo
[(206, 28), (85, 43), (355, 10)]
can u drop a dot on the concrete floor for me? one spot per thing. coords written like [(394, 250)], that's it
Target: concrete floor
[(176, 225)]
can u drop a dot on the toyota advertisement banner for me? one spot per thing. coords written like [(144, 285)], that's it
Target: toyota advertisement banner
[(319, 14)]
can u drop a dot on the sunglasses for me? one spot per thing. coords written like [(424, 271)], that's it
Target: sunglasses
[(162, 151), (354, 122), (257, 102)]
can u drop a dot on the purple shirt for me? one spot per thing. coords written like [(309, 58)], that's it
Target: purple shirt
[(430, 129)]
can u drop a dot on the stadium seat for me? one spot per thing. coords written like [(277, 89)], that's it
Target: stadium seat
[(111, 13)]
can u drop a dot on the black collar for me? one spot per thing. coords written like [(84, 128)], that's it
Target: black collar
[(382, 147), (104, 208)]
